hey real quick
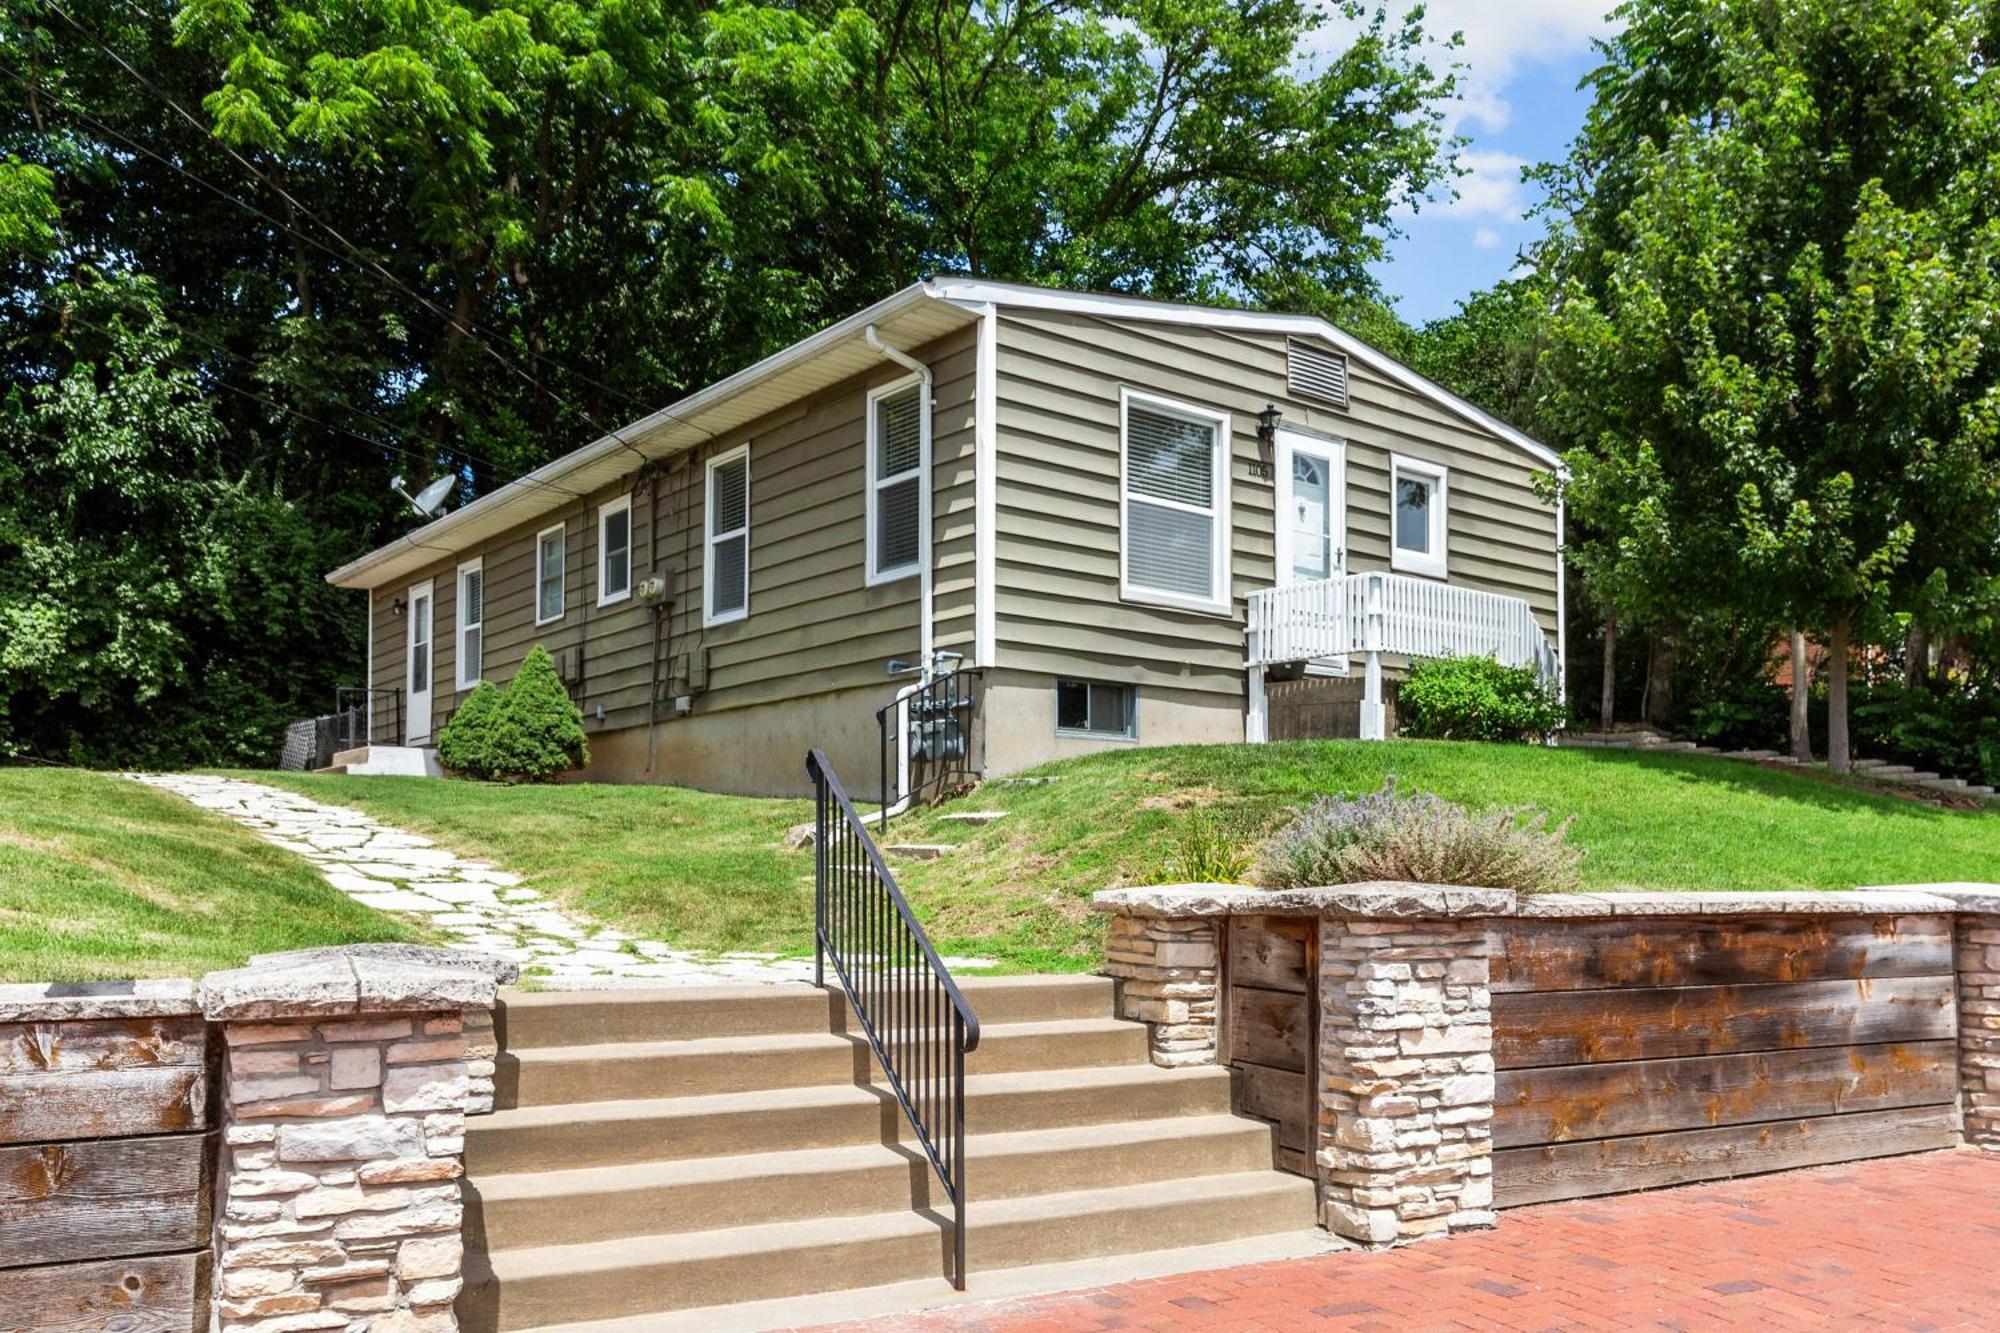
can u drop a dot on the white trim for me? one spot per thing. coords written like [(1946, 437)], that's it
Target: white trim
[(1218, 600), (985, 489), (368, 678), (621, 505), (1562, 606), (562, 576), (709, 537), (871, 576), (428, 592), (1434, 562), (970, 291), (476, 565)]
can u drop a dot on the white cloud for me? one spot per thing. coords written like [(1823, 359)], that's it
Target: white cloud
[(1486, 238), (1490, 187), (1500, 37)]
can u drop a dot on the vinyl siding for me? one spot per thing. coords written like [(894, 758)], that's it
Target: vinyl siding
[(813, 624), (1058, 604)]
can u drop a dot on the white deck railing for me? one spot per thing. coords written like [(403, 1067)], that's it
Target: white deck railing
[(1378, 613)]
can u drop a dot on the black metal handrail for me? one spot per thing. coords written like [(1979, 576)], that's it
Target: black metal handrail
[(935, 722), (351, 710), (914, 1016)]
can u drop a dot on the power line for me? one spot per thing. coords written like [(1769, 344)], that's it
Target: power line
[(355, 250)]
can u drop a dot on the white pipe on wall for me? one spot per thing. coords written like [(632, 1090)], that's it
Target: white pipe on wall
[(926, 650)]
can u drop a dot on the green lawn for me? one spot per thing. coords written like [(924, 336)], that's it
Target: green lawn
[(103, 878), (711, 872)]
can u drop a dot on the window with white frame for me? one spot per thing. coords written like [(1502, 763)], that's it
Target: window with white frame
[(551, 571), (1417, 516), (727, 576), (1095, 708), (1176, 501), (898, 449), (471, 622), (614, 551)]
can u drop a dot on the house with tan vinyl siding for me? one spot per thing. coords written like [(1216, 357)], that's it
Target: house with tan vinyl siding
[(1126, 521)]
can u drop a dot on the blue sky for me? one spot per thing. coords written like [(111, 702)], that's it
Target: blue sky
[(1518, 104)]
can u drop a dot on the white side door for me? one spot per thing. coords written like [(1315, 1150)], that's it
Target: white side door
[(1311, 517), (417, 662)]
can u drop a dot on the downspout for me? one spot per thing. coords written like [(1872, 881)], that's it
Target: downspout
[(923, 372), (925, 648)]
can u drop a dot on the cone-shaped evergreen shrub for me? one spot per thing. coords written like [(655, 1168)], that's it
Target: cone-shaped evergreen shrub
[(539, 729), (465, 743)]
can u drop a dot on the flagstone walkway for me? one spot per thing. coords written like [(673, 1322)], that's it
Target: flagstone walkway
[(476, 905)]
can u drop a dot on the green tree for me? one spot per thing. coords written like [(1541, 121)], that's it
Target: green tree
[(1773, 343)]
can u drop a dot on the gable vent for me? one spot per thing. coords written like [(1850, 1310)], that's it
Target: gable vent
[(1315, 373)]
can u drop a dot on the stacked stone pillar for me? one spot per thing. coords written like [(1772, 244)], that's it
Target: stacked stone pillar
[(346, 1079), (1167, 970), (1406, 1076), (1979, 1030)]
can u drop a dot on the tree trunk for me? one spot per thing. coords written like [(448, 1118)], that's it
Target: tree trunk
[(1607, 702), (1801, 695), (1837, 756), (1659, 705), (1917, 656)]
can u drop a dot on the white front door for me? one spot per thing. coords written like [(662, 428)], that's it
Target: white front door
[(1312, 508), (1311, 517), (418, 672)]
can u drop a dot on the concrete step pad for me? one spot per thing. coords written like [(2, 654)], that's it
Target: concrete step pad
[(916, 851), (633, 1275), (978, 818), (700, 1066), (612, 1132), (595, 1203), (530, 1020)]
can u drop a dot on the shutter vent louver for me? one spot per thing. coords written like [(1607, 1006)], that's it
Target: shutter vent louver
[(1313, 372)]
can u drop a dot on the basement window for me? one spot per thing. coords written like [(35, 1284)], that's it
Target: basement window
[(1094, 708)]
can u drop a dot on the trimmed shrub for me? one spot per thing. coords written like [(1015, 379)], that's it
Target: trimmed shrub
[(1204, 852), (529, 732), (1477, 699), (539, 732), (1419, 837), (464, 741)]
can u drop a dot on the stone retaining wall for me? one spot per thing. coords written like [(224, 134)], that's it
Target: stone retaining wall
[(337, 1081), (1405, 1085)]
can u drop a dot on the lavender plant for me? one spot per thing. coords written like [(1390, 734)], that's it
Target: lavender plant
[(1419, 837)]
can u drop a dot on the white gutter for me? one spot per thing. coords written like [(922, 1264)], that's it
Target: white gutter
[(923, 372)]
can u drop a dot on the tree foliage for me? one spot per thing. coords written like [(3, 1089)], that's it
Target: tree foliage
[(444, 237)]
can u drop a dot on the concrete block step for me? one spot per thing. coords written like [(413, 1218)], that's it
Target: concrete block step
[(509, 1290), (537, 1020), (916, 851), (1890, 771), (978, 818), (573, 1206), (698, 1066), (614, 1132)]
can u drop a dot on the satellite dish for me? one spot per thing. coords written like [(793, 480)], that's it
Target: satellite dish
[(427, 501)]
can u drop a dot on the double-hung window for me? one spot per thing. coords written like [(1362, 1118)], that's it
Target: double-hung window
[(614, 551), (727, 571), (471, 622), (551, 571), (1417, 518), (1175, 492), (899, 447)]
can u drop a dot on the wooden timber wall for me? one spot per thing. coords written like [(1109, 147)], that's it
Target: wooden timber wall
[(1636, 1052), (106, 1160), (1271, 1030)]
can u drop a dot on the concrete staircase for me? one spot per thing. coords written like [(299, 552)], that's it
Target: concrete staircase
[(682, 1151)]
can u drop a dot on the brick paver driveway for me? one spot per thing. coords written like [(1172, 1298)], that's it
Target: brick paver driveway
[(1904, 1243)]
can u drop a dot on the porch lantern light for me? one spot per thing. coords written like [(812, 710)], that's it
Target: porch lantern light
[(1267, 440), (399, 607), (1267, 425)]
